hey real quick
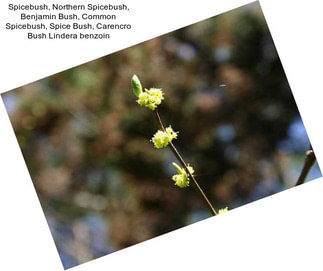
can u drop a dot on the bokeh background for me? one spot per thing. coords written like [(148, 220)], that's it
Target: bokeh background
[(103, 186)]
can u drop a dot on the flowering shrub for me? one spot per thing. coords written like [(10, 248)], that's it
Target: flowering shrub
[(152, 98)]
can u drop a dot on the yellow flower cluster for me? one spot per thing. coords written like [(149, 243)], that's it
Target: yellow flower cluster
[(224, 210), (162, 138), (151, 98), (182, 178)]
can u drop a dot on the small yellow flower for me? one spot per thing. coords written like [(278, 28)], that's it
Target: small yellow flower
[(223, 210), (182, 178), (162, 138), (151, 98)]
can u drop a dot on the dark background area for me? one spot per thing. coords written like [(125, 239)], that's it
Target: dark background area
[(103, 186)]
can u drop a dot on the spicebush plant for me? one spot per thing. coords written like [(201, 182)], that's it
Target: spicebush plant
[(152, 98)]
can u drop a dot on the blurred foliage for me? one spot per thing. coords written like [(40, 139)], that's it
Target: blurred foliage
[(101, 183)]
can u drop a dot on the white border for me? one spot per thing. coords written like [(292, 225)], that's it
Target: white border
[(281, 232), (35, 59)]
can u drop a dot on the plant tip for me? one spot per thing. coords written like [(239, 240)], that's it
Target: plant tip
[(136, 85)]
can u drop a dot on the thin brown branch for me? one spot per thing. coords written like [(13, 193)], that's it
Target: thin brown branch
[(309, 161), (182, 162)]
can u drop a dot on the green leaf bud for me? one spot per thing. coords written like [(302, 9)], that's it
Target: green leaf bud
[(177, 168), (136, 86)]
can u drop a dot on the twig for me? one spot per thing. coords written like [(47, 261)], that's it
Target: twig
[(309, 161), (182, 162)]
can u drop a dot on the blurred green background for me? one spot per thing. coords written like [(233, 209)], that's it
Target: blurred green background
[(103, 186)]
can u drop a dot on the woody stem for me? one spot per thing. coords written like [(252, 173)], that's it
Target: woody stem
[(182, 162), (309, 161)]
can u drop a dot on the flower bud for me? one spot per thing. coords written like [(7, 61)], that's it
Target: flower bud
[(182, 178), (162, 138), (151, 98)]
